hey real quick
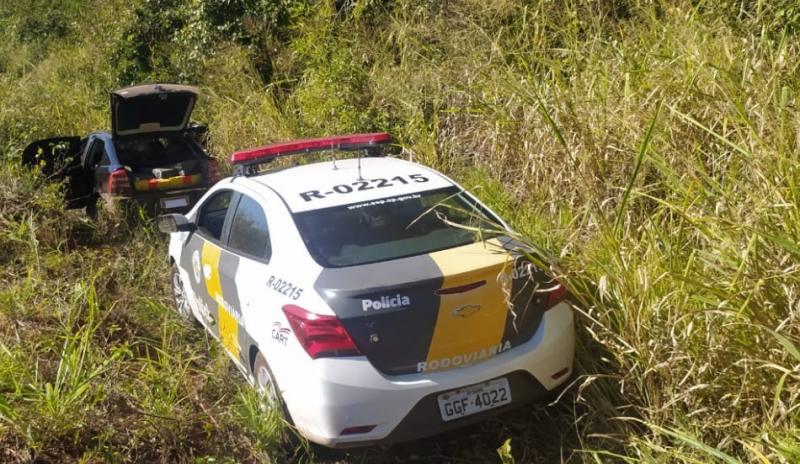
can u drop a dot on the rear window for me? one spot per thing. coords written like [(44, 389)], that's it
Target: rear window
[(168, 110), (393, 227)]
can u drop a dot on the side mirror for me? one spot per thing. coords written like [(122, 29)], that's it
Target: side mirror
[(169, 223)]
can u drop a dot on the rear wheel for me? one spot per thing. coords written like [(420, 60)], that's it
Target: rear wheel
[(179, 294), (264, 381), (266, 386)]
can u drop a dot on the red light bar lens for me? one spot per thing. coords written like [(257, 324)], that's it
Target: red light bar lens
[(340, 142), (320, 335)]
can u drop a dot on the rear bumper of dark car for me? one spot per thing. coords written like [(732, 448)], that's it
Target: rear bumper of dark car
[(163, 202)]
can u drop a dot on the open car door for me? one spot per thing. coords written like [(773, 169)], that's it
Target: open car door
[(53, 156), (59, 158)]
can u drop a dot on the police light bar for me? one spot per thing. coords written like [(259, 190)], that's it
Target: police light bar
[(268, 153)]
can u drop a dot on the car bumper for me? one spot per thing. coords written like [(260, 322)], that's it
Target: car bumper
[(349, 392), (166, 201)]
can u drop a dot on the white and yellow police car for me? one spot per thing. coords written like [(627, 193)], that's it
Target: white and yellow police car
[(371, 299)]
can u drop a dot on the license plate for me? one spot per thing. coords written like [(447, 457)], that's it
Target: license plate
[(474, 399), (175, 202)]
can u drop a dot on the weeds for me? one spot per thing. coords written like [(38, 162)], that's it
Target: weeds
[(649, 146)]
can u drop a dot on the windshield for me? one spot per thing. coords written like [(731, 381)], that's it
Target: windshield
[(393, 227)]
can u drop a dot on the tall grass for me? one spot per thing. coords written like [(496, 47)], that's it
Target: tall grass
[(94, 365), (650, 146), (676, 229)]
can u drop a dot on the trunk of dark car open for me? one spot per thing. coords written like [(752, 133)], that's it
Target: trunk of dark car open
[(161, 163), (149, 125)]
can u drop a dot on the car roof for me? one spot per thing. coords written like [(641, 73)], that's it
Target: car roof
[(333, 183)]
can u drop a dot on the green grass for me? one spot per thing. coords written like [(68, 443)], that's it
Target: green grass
[(651, 147)]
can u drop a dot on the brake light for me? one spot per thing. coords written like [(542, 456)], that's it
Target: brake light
[(321, 336), (213, 171), (118, 182), (556, 295)]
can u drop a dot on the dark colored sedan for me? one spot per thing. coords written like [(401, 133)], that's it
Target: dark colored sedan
[(152, 157)]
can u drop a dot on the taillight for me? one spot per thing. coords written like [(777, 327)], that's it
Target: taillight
[(556, 295), (118, 182), (320, 335), (213, 171)]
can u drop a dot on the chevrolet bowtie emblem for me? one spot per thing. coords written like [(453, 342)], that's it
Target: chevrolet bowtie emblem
[(466, 310)]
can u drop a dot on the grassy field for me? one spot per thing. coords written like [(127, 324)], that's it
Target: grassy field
[(652, 147)]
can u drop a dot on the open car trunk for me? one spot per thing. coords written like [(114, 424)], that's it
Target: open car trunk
[(149, 124), (151, 109), (161, 163)]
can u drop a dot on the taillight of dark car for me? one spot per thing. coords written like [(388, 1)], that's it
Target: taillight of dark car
[(556, 295), (213, 171), (118, 182), (320, 335)]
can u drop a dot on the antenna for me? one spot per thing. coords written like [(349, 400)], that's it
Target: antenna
[(359, 165), (334, 162)]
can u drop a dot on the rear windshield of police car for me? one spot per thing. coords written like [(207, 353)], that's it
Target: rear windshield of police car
[(394, 227)]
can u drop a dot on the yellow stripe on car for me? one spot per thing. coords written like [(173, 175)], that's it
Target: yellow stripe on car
[(228, 326), (470, 324)]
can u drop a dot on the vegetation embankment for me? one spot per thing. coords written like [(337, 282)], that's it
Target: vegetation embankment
[(651, 146)]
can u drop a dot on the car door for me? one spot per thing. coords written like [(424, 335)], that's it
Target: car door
[(248, 242), (213, 295), (59, 159), (52, 155)]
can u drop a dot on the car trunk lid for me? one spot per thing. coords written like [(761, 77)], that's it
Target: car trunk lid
[(443, 310), (151, 109)]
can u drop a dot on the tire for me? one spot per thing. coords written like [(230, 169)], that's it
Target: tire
[(265, 384), (179, 295)]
